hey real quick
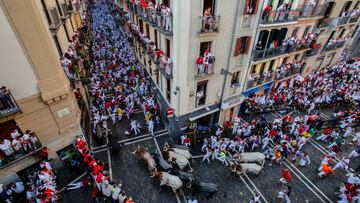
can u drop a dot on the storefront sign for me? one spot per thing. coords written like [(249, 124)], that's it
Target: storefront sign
[(231, 102)]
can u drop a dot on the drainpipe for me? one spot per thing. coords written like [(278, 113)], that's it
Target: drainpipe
[(254, 45), (227, 72)]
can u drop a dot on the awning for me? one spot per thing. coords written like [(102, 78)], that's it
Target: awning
[(203, 115)]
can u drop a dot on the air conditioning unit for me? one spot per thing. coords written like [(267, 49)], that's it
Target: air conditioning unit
[(54, 17)]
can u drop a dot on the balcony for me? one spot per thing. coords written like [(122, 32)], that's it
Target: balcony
[(312, 52), (164, 63), (255, 80), (8, 104), (209, 24), (15, 150), (205, 65), (273, 52), (162, 21), (343, 20), (289, 72), (354, 19), (279, 16), (332, 46), (307, 10)]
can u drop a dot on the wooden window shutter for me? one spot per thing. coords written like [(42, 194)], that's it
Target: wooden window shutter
[(247, 44), (246, 7), (256, 2), (238, 47)]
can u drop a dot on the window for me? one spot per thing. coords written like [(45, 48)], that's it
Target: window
[(306, 31), (262, 68), (235, 78), (209, 4), (166, 3), (346, 7), (272, 62), (204, 46), (168, 89), (295, 31), (250, 7), (59, 8), (156, 38), (57, 43), (141, 26), (66, 32), (46, 11), (284, 60), (201, 93), (242, 45), (342, 33), (168, 48), (148, 30), (253, 69)]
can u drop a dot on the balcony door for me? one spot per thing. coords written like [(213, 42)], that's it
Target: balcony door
[(329, 8), (204, 46), (346, 7), (209, 4)]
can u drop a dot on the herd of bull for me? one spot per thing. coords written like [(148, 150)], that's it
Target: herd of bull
[(169, 167), (172, 168)]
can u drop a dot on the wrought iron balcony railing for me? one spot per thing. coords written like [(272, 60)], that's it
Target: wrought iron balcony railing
[(8, 104), (279, 16), (330, 47), (307, 10), (272, 52), (209, 24)]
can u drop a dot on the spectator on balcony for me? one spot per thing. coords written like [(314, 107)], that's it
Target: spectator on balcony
[(158, 14), (266, 12), (15, 133), (26, 143), (274, 43), (208, 61), (166, 64), (66, 64), (6, 148), (166, 14), (200, 64), (309, 7), (16, 145), (5, 98), (259, 46), (199, 96), (355, 13)]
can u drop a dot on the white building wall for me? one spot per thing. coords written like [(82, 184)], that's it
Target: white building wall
[(14, 66)]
